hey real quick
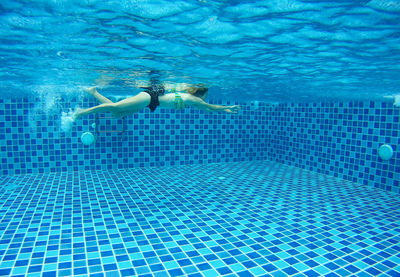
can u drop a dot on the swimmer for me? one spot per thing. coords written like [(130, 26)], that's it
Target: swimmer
[(152, 97)]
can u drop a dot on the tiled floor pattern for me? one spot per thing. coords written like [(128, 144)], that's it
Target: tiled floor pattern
[(233, 219)]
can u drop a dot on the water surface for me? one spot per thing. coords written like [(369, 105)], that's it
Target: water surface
[(280, 50)]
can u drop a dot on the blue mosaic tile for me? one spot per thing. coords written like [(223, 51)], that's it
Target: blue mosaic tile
[(34, 143), (228, 219), (337, 139)]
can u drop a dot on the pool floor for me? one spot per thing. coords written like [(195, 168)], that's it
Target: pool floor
[(233, 219)]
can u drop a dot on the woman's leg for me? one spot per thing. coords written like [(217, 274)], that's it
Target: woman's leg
[(106, 107), (93, 92), (124, 107)]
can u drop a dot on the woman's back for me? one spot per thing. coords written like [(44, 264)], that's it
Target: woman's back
[(171, 100)]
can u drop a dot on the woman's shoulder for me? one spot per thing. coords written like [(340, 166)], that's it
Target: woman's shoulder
[(191, 100)]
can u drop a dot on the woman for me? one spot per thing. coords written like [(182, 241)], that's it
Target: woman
[(152, 97)]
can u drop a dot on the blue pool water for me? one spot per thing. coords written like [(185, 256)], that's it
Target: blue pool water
[(280, 50), (292, 185)]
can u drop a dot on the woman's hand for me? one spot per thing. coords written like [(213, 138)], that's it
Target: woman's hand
[(232, 109)]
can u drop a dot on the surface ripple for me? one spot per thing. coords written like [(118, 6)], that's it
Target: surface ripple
[(279, 50)]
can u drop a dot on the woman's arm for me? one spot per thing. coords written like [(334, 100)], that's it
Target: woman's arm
[(202, 105)]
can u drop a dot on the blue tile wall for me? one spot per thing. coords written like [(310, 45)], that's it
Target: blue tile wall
[(32, 142), (338, 139)]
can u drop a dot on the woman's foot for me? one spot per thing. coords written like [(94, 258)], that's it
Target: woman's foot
[(68, 119), (77, 113), (92, 91)]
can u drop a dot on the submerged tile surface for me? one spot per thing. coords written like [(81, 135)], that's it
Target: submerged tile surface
[(232, 219)]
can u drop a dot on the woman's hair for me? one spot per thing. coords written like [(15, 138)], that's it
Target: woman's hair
[(198, 90)]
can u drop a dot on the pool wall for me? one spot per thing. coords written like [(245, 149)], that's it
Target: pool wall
[(338, 139)]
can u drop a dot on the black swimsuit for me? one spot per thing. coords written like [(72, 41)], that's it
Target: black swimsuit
[(154, 90)]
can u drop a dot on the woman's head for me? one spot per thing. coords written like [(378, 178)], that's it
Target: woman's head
[(198, 91)]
